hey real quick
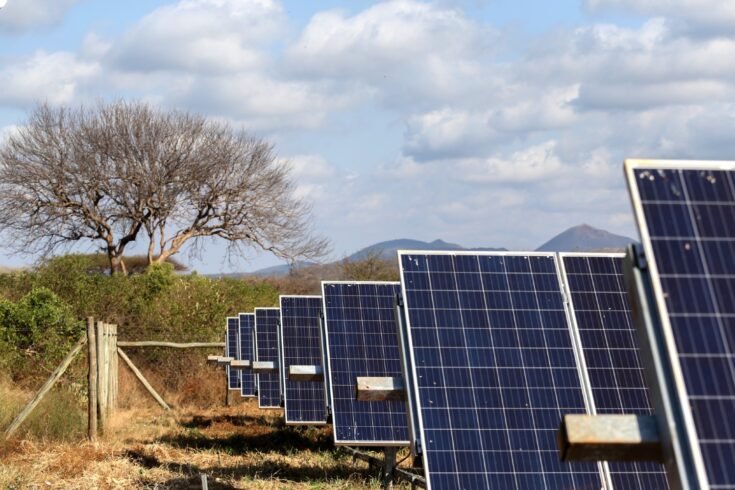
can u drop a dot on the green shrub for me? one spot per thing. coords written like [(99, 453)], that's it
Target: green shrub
[(36, 331)]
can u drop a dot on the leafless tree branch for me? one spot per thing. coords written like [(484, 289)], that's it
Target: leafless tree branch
[(110, 172)]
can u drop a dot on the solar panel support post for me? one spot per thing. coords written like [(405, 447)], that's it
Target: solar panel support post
[(379, 388), (325, 368), (609, 438), (239, 365), (305, 373), (262, 367), (416, 481), (675, 444), (389, 464), (403, 348)]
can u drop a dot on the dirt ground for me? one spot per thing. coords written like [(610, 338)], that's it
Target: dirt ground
[(237, 447)]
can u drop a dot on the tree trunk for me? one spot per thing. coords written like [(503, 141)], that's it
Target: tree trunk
[(117, 264)]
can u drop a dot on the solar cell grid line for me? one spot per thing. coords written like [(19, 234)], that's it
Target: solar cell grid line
[(495, 368), (598, 301), (247, 378), (266, 349), (362, 340), (301, 346), (685, 212), (232, 345)]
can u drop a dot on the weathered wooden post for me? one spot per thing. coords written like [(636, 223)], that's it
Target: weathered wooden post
[(102, 376), (91, 380), (113, 368)]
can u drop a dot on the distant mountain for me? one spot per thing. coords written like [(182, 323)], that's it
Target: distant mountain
[(584, 238), (388, 249), (279, 270)]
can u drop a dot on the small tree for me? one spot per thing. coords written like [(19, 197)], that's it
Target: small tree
[(371, 267), (107, 173)]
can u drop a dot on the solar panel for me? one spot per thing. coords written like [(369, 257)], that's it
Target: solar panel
[(231, 349), (601, 315), (266, 348), (686, 216), (247, 378), (495, 368), (362, 340), (301, 346)]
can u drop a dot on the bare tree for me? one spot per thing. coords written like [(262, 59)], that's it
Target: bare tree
[(108, 173)]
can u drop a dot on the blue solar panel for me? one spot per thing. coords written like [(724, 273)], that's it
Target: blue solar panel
[(266, 348), (231, 349), (494, 368), (601, 314), (686, 216), (301, 346), (362, 340), (247, 378)]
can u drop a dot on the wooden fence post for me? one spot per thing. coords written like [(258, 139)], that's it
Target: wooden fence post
[(112, 370), (102, 378), (92, 380)]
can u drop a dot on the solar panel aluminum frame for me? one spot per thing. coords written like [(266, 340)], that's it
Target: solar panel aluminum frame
[(328, 363), (277, 361), (227, 348), (661, 353), (241, 354), (583, 380), (283, 363), (577, 338)]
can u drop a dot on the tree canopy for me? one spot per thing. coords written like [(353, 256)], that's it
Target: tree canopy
[(112, 172)]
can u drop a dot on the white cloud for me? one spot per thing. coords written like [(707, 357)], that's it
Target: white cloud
[(53, 77), (699, 14), (310, 167), (531, 164), (501, 145), (404, 50), (201, 36), (19, 16)]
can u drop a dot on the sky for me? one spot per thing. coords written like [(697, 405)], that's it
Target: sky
[(493, 123)]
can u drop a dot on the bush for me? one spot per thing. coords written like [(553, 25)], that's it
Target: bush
[(36, 332)]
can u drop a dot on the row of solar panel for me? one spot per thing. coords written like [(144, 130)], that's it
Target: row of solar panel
[(495, 347), (496, 352)]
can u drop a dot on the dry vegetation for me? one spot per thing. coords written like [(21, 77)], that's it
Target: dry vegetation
[(238, 447)]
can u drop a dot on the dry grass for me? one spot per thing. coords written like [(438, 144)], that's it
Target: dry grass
[(238, 447)]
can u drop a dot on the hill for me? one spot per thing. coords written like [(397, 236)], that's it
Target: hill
[(581, 238), (388, 249), (585, 238)]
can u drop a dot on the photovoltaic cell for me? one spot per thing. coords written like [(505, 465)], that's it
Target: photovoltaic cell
[(301, 346), (247, 378), (362, 340), (601, 312), (231, 349), (686, 216), (495, 369), (266, 348)]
